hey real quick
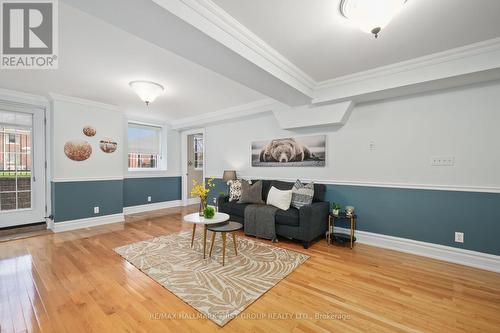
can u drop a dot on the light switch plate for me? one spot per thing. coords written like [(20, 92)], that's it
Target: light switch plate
[(96, 210), (149, 198)]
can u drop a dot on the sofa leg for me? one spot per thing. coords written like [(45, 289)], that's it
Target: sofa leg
[(306, 244)]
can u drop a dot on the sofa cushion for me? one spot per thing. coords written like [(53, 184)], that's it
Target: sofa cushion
[(319, 189), (234, 190), (302, 194), (234, 208), (251, 193), (287, 217), (278, 198)]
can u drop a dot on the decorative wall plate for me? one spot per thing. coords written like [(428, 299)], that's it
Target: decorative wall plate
[(77, 150), (108, 145), (89, 131)]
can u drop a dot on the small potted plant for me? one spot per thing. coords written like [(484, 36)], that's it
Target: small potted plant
[(336, 209), (209, 212)]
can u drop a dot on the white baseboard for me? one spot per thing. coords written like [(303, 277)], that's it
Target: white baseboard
[(151, 206), (192, 201), (87, 222), (455, 255)]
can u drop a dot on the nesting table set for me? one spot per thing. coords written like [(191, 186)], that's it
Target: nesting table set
[(219, 223)]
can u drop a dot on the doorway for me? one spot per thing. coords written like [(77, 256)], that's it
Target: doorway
[(22, 166), (194, 163)]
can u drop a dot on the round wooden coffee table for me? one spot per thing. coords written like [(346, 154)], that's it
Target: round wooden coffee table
[(224, 229), (196, 219)]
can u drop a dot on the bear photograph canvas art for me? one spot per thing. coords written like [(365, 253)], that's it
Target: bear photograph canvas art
[(307, 151)]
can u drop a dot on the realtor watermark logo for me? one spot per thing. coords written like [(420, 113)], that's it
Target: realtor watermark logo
[(29, 32)]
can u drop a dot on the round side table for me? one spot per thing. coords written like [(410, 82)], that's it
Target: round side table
[(230, 227), (195, 219)]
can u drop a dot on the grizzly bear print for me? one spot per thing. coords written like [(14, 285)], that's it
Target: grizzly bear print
[(285, 150)]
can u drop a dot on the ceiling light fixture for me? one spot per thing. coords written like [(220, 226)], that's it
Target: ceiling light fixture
[(369, 15), (147, 90)]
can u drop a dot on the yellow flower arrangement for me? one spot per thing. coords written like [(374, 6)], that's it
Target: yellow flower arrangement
[(202, 190)]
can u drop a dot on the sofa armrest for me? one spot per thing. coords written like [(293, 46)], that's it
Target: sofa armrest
[(313, 220)]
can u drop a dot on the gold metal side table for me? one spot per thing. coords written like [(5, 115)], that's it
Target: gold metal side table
[(331, 235)]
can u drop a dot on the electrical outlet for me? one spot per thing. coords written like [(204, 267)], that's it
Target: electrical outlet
[(96, 210), (459, 237), (149, 198), (443, 161)]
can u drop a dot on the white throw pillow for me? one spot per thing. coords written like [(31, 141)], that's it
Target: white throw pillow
[(278, 198)]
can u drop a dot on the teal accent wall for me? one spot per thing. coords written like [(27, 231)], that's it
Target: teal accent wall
[(76, 200), (137, 190), (430, 216), (220, 186)]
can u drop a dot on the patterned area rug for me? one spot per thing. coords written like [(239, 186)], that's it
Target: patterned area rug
[(219, 292)]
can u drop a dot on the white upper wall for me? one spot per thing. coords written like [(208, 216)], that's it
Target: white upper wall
[(406, 133), (68, 121)]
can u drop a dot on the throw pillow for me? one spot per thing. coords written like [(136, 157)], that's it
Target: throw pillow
[(251, 193), (234, 190), (278, 198), (302, 194)]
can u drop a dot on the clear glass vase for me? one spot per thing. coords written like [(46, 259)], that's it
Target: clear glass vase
[(203, 205)]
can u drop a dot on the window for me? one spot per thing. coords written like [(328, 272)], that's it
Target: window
[(144, 147), (198, 152)]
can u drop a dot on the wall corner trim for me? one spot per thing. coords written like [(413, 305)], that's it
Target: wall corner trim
[(208, 17), (87, 102), (335, 114), (454, 255), (87, 222), (152, 206)]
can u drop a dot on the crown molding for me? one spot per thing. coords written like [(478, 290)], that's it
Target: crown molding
[(24, 98), (81, 101), (232, 113), (454, 63), (208, 17)]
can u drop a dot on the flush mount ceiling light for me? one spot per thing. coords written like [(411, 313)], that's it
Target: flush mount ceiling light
[(147, 90), (369, 15)]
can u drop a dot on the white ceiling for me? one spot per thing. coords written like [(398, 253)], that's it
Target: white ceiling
[(97, 60), (315, 37)]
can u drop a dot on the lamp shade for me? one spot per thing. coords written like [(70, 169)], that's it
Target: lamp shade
[(229, 175), (147, 90)]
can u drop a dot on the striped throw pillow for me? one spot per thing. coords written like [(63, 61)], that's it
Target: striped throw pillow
[(302, 194)]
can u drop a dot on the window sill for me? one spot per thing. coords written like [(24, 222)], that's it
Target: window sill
[(142, 173)]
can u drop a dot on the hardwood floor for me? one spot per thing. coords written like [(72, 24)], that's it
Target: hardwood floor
[(74, 282)]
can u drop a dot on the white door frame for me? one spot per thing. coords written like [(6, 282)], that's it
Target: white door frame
[(38, 211), (184, 160)]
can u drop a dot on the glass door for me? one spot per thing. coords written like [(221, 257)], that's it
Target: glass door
[(22, 174)]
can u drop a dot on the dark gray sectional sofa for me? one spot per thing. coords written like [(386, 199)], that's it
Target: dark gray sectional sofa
[(304, 224)]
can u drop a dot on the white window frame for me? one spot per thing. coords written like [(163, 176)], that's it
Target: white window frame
[(196, 165), (161, 164)]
